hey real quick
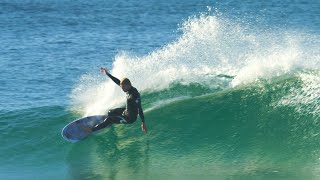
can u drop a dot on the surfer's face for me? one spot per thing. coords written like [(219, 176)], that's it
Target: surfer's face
[(125, 84), (125, 87)]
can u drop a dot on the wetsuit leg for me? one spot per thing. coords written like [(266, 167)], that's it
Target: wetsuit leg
[(116, 112), (114, 117), (119, 112)]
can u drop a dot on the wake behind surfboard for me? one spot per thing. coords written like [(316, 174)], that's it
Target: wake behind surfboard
[(74, 132)]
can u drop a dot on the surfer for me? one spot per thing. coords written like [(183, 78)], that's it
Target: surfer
[(126, 115)]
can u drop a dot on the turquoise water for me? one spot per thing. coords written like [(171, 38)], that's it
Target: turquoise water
[(230, 89)]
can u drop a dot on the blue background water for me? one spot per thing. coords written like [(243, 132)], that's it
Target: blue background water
[(48, 46)]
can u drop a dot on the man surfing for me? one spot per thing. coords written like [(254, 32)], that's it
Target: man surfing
[(127, 115)]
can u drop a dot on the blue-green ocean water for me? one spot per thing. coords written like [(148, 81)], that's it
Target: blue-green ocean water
[(230, 89)]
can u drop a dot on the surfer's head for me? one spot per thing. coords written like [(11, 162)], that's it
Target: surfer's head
[(125, 84)]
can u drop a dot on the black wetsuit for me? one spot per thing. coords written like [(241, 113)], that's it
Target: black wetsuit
[(126, 115)]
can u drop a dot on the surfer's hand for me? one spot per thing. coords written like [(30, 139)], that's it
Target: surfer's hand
[(103, 70), (144, 127)]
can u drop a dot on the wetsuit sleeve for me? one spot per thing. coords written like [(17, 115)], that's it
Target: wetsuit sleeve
[(114, 79), (140, 110)]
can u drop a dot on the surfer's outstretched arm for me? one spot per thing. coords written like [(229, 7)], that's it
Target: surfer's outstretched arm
[(114, 79)]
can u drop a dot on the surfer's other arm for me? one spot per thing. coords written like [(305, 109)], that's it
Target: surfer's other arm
[(114, 79), (143, 124)]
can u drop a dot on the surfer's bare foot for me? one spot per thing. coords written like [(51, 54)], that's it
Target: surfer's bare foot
[(86, 129)]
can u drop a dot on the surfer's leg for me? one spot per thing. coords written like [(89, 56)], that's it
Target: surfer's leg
[(116, 112), (104, 124), (117, 119), (109, 121)]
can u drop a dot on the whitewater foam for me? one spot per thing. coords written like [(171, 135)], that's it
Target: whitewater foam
[(165, 102), (209, 45), (304, 99)]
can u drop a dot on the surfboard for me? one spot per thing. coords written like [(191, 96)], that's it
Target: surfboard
[(74, 132)]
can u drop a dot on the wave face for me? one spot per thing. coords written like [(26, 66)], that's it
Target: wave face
[(266, 129)]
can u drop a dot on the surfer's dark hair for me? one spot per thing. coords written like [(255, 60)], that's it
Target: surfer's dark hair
[(125, 81)]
